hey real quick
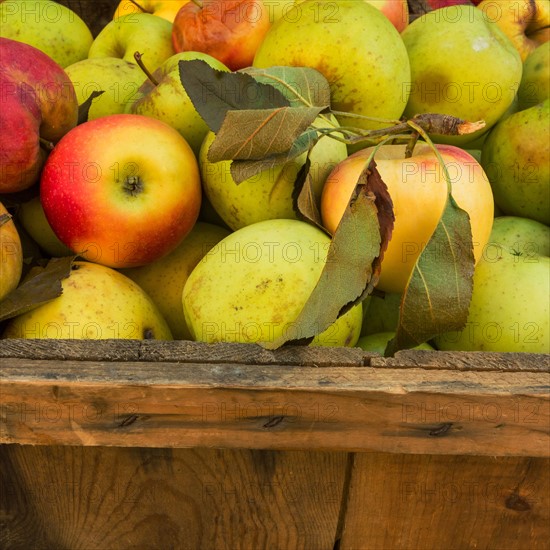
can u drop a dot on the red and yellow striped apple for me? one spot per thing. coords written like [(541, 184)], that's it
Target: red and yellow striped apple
[(121, 190)]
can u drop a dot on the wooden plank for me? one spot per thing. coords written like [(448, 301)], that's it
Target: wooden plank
[(411, 410), (98, 498), (183, 351), (415, 502)]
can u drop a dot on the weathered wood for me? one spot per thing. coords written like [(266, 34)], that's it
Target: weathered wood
[(101, 498), (274, 407), (406, 502), (180, 351), (197, 352)]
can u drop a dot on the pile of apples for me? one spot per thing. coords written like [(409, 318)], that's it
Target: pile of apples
[(104, 159)]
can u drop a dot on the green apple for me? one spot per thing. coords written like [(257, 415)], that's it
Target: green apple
[(32, 218), (147, 34), (119, 80), (168, 101), (165, 278), (97, 303), (252, 285), (510, 308), (355, 46), (266, 195), (516, 159), (381, 314), (520, 236), (534, 87), (55, 29), (463, 65), (378, 341)]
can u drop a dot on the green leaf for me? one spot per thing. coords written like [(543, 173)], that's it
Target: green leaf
[(37, 289), (244, 169), (438, 293), (348, 272), (300, 85), (84, 108), (255, 134), (214, 93)]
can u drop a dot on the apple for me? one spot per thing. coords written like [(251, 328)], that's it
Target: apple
[(168, 101), (165, 278), (525, 22), (33, 220), (48, 26), (520, 236), (252, 285), (228, 30), (357, 49), (121, 190), (377, 342), (38, 105), (461, 65), (118, 79), (418, 189), (141, 32), (266, 195), (534, 87), (516, 158), (11, 254), (397, 11), (97, 303), (166, 9), (510, 309)]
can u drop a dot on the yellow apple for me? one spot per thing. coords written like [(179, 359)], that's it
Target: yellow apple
[(97, 303), (167, 9), (165, 278), (266, 195), (32, 218), (525, 22), (147, 34), (418, 189), (168, 101), (461, 65), (49, 26), (355, 46), (252, 285), (11, 254), (119, 80)]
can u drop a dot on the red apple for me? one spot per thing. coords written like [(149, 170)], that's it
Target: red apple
[(38, 103), (228, 30), (397, 11), (121, 190)]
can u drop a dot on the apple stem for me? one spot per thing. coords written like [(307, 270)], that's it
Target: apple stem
[(197, 3), (4, 218), (140, 7), (45, 144), (139, 61)]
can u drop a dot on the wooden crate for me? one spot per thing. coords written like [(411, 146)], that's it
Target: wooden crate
[(143, 444)]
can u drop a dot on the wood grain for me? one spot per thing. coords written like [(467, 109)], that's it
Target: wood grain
[(184, 351), (413, 410), (134, 498), (414, 502)]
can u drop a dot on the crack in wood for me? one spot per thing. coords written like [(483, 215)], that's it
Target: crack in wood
[(274, 421), (440, 430)]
